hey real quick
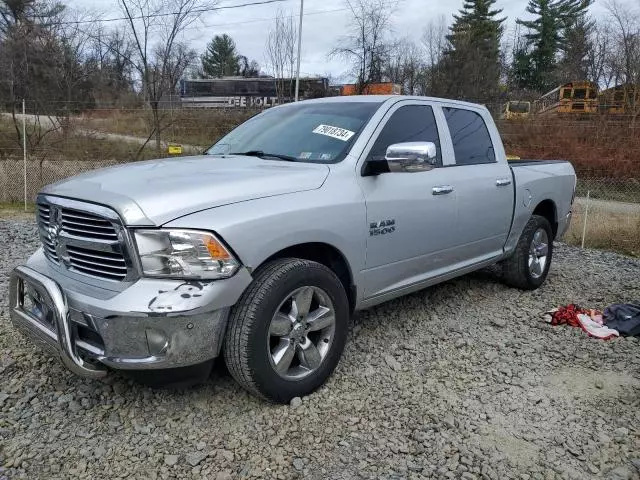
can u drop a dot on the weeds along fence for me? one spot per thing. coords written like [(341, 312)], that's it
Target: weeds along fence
[(604, 152), (606, 215)]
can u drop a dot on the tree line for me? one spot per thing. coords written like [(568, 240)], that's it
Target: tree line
[(475, 58), (63, 62)]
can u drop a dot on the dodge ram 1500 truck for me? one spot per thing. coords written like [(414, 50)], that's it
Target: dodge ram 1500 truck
[(260, 249)]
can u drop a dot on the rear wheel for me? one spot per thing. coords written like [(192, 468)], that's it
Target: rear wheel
[(287, 332), (528, 266)]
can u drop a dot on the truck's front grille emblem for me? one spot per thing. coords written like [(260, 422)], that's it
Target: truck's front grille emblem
[(44, 221)]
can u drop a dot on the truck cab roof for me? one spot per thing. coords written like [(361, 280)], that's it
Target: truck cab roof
[(387, 98)]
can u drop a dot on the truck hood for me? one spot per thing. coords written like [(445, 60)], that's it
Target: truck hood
[(158, 191)]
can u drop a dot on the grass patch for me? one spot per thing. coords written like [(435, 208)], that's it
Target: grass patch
[(198, 127), (606, 230), (69, 146), (16, 210), (82, 147)]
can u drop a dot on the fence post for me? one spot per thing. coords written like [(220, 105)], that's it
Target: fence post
[(586, 214), (24, 151)]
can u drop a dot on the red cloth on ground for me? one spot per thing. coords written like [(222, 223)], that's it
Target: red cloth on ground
[(589, 320), (568, 315)]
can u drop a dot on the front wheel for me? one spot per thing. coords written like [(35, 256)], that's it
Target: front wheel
[(287, 332), (528, 266)]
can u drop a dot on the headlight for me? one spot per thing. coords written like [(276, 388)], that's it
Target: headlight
[(184, 254)]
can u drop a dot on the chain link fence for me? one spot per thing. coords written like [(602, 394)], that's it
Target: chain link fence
[(39, 174), (606, 209), (606, 214)]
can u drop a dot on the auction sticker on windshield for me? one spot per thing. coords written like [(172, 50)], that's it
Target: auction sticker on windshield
[(334, 132)]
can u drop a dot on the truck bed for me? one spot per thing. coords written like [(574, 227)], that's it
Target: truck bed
[(535, 181)]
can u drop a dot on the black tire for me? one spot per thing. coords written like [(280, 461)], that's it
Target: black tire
[(515, 269), (246, 350)]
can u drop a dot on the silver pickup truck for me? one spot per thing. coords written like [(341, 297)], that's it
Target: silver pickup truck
[(261, 249)]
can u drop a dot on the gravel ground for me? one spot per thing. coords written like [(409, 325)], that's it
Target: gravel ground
[(463, 380)]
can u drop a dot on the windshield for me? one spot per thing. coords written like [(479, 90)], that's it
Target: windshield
[(306, 132), (519, 107)]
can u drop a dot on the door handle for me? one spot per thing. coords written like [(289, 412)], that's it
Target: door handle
[(503, 182), (442, 190)]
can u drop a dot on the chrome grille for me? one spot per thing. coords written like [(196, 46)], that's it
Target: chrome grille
[(44, 212), (87, 225), (83, 241), (92, 262)]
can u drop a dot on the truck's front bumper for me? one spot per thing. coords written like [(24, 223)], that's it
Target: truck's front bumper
[(152, 324)]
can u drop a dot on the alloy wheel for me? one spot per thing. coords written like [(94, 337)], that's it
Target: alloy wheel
[(301, 332)]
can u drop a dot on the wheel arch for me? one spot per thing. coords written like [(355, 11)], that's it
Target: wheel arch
[(547, 209), (327, 255)]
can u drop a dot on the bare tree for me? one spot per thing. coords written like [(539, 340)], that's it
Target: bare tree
[(413, 69), (36, 59), (367, 45), (434, 39), (393, 67), (280, 54), (405, 66), (598, 58), (625, 55), (109, 64), (72, 73), (248, 68), (159, 64), (626, 30), (434, 43)]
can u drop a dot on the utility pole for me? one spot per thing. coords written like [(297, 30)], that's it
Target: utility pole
[(299, 49)]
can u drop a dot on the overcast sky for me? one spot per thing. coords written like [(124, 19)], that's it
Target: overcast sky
[(323, 24)]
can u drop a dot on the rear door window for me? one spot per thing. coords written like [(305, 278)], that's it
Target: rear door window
[(471, 140)]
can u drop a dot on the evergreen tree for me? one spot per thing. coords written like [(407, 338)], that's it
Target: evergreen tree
[(520, 73), (546, 36), (220, 58), (574, 61), (472, 63)]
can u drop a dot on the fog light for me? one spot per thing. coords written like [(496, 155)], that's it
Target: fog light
[(33, 304), (157, 342)]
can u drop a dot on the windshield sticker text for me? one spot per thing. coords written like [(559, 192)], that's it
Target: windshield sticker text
[(334, 132)]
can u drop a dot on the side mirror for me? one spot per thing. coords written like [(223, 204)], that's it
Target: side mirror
[(410, 157)]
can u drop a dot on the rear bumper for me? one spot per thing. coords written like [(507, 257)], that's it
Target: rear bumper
[(152, 324)]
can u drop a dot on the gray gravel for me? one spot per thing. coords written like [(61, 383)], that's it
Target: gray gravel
[(463, 380)]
